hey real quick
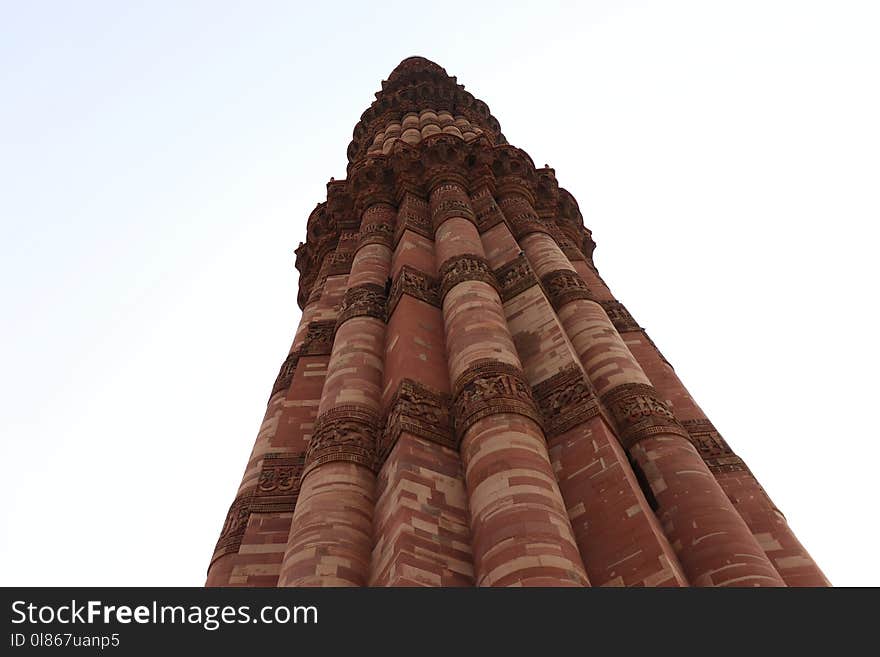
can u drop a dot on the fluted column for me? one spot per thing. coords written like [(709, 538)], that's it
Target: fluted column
[(521, 532), (713, 544), (331, 535), (422, 536), (620, 541)]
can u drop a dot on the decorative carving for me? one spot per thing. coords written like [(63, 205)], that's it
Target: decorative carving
[(619, 316), (416, 284), (464, 267), (413, 215), (285, 374), (452, 207), (280, 478), (340, 263), (700, 425), (488, 214), (521, 217), (234, 527), (276, 492), (367, 300), (565, 401), (419, 410), (488, 387), (376, 233), (571, 251), (319, 338), (316, 290), (450, 200), (344, 433), (515, 277), (371, 182), (713, 449), (563, 286), (638, 413), (414, 92)]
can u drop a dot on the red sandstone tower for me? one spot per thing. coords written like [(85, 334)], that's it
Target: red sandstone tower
[(466, 403)]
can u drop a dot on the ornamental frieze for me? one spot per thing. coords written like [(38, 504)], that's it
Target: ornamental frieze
[(700, 425), (340, 263), (344, 433), (316, 291), (563, 286), (413, 215), (280, 478), (449, 208), (565, 400), (285, 374), (526, 223), (319, 338), (376, 233), (713, 449), (419, 410), (571, 251), (276, 492), (465, 267), (638, 413), (619, 316), (449, 200), (489, 387), (515, 277), (234, 526), (416, 284), (488, 214), (441, 94), (367, 300)]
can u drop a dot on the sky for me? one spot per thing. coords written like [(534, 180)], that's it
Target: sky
[(158, 162)]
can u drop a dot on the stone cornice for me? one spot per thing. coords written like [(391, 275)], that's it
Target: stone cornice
[(401, 177)]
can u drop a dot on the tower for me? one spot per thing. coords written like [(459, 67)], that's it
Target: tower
[(466, 403)]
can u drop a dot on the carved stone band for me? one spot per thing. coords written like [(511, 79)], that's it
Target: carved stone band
[(280, 477), (285, 374), (340, 263), (379, 233), (564, 286), (234, 527), (515, 277), (416, 284), (345, 433), (527, 223), (450, 200), (488, 215), (319, 338), (638, 413), (413, 215), (276, 492), (465, 267), (419, 410), (713, 449), (565, 401), (619, 316), (489, 387), (451, 207), (367, 300)]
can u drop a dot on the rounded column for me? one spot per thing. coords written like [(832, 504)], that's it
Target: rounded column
[(521, 531), (714, 545), (331, 535)]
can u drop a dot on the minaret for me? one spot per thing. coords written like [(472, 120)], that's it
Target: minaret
[(466, 403)]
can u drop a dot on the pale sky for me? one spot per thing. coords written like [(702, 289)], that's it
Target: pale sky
[(158, 164)]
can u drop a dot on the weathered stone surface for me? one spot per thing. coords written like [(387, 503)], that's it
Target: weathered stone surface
[(465, 402)]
